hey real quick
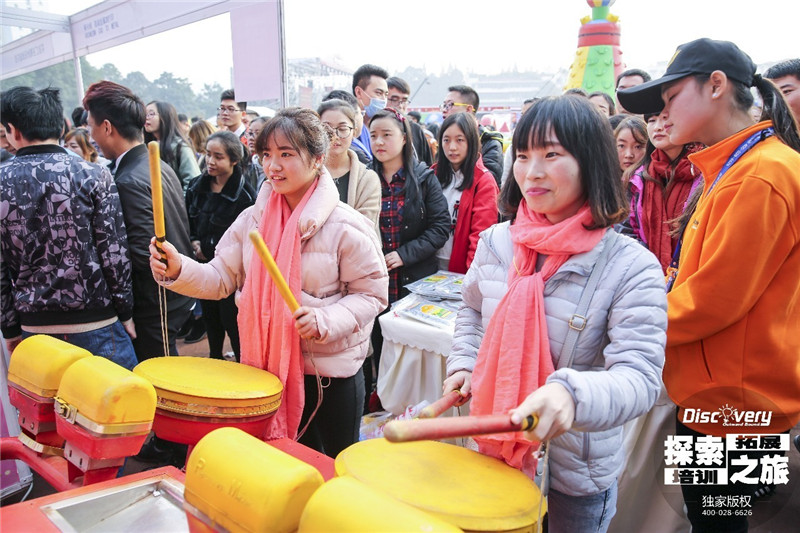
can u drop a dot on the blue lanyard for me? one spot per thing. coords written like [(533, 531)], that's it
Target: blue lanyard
[(750, 142), (737, 154)]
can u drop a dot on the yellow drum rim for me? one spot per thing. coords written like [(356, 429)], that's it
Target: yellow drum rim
[(71, 415), (208, 379), (216, 408), (463, 487)]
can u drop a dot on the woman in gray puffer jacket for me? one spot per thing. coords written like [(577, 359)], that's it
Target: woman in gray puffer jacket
[(521, 297)]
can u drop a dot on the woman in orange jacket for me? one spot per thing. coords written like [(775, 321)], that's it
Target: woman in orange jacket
[(734, 308)]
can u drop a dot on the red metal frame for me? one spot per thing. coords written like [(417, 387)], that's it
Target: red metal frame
[(28, 516), (320, 461), (51, 467), (36, 416)]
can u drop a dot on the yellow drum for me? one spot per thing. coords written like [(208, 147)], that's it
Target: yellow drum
[(34, 374), (245, 485), (39, 362), (462, 487), (197, 395), (103, 410), (344, 504)]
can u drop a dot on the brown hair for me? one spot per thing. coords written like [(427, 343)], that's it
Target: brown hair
[(106, 100), (199, 133), (303, 129), (408, 148), (637, 125), (81, 136), (336, 104), (638, 128), (587, 136)]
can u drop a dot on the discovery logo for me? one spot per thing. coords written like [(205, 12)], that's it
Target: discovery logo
[(728, 416)]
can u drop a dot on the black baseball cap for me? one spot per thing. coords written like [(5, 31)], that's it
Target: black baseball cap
[(702, 56)]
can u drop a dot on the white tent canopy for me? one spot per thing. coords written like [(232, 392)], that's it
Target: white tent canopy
[(114, 22)]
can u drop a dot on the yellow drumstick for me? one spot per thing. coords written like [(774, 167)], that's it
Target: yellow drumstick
[(274, 271), (158, 195)]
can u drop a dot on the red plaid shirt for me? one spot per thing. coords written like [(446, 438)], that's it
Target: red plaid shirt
[(393, 199)]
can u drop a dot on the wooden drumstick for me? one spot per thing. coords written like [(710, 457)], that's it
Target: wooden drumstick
[(274, 271), (447, 428), (158, 196), (441, 405)]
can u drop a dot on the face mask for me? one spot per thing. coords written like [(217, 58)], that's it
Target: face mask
[(375, 105)]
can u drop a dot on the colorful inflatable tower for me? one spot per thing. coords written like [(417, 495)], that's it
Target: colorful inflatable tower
[(598, 60)]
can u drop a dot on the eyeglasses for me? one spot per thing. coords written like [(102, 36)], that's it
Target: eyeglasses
[(230, 109), (151, 114), (447, 106), (396, 100), (342, 131)]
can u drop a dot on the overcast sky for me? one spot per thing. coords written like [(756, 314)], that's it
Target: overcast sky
[(479, 36)]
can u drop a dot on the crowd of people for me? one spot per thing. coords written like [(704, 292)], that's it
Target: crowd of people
[(628, 258)]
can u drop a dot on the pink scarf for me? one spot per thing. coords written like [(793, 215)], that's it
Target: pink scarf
[(268, 336), (664, 198), (514, 358)]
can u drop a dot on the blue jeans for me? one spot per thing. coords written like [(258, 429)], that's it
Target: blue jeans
[(579, 514), (111, 342)]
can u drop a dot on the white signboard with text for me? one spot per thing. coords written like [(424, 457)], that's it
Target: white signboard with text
[(257, 54)]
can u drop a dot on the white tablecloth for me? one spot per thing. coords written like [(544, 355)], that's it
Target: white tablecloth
[(412, 366)]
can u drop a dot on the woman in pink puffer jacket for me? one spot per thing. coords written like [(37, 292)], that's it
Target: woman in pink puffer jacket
[(331, 258)]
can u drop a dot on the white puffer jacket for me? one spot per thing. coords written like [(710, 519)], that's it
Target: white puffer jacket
[(616, 373), (343, 275)]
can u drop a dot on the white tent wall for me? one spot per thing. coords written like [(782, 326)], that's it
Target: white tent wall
[(112, 23)]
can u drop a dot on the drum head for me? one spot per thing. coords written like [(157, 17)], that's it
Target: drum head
[(465, 488), (199, 386)]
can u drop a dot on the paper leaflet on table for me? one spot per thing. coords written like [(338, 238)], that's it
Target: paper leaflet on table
[(436, 314), (443, 284)]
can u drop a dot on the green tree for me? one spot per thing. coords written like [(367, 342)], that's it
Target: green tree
[(208, 100), (89, 73), (108, 72), (61, 76), (167, 87), (138, 84), (178, 92)]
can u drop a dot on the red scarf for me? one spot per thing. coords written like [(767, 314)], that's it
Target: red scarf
[(663, 199), (514, 358), (268, 337)]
